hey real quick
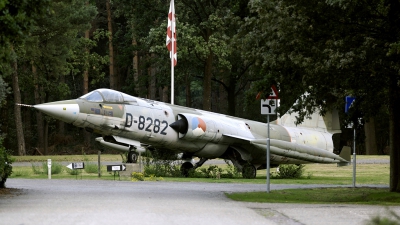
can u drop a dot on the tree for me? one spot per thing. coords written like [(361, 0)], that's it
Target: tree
[(323, 51), (49, 60), (5, 164), (16, 20)]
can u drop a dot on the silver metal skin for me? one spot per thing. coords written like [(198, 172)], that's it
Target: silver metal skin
[(133, 124)]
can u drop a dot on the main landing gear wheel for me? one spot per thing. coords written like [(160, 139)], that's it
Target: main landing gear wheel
[(249, 171), (185, 168), (132, 157)]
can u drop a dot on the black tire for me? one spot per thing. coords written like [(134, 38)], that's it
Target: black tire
[(249, 171), (132, 157), (185, 168)]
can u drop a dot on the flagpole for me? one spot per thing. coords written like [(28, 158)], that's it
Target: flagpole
[(172, 52)]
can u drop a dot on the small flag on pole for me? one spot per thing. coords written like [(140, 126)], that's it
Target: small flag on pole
[(171, 40)]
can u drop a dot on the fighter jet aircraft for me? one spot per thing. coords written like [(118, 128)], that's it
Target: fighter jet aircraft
[(133, 124)]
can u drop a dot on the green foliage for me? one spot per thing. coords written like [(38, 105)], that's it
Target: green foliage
[(288, 171), (91, 167), (4, 90), (56, 168), (5, 164), (161, 163), (211, 172), (137, 176), (72, 172), (164, 168), (37, 169), (230, 171), (17, 17)]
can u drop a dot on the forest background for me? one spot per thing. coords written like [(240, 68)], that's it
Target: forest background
[(228, 51)]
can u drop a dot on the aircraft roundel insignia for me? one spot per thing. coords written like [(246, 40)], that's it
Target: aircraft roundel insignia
[(198, 126)]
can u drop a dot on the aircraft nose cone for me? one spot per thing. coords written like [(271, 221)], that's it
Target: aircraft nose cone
[(66, 111)]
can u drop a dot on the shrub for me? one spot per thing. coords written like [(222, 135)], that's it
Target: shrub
[(290, 171), (211, 172), (137, 176), (72, 172), (5, 164), (230, 171), (91, 167), (37, 169), (56, 168), (161, 168)]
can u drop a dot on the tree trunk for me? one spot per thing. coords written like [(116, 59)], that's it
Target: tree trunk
[(188, 92), (46, 137), (28, 133), (17, 109), (153, 79), (165, 94), (110, 46), (136, 71), (370, 138), (86, 134), (232, 96), (39, 115), (394, 98), (207, 83)]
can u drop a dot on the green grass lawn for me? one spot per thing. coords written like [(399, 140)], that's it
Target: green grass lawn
[(370, 196)]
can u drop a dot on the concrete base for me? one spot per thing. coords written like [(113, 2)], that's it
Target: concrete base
[(130, 167)]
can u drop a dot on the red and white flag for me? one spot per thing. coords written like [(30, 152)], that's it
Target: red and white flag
[(171, 30)]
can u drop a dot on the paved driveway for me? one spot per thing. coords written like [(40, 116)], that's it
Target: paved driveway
[(122, 202)]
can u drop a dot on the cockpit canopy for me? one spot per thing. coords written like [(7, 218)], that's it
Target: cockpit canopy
[(108, 95)]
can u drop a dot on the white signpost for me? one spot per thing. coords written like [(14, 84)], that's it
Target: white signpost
[(268, 107), (49, 168)]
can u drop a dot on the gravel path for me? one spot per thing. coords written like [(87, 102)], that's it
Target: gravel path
[(121, 202)]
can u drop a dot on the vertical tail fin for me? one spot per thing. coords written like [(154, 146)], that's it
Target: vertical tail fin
[(328, 123)]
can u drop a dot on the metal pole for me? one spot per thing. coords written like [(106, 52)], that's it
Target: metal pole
[(172, 53), (268, 166), (98, 162), (354, 159)]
